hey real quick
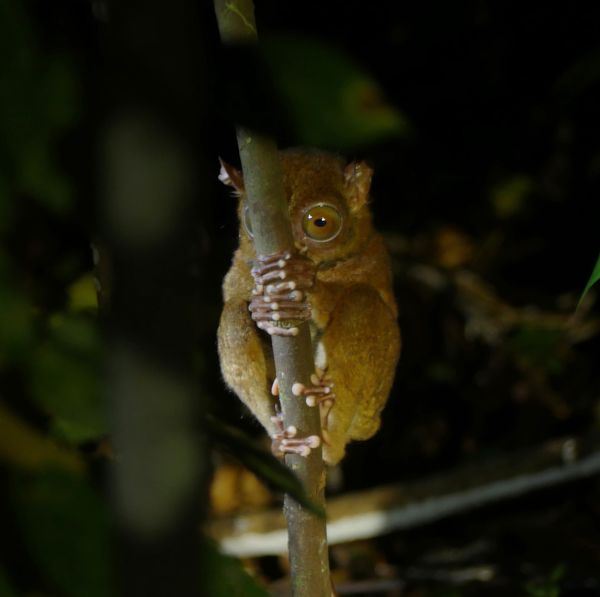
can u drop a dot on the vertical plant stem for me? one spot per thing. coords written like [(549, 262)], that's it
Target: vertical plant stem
[(293, 355)]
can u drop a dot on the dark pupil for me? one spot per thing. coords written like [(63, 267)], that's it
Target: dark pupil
[(320, 222)]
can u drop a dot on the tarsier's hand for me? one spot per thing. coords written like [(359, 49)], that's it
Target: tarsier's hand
[(280, 284)]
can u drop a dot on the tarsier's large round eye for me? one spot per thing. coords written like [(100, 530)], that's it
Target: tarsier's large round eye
[(247, 222), (322, 222)]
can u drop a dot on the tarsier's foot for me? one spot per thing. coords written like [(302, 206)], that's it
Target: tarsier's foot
[(286, 442), (320, 393), (280, 284)]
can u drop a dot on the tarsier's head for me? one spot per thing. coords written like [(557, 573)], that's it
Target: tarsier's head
[(327, 203)]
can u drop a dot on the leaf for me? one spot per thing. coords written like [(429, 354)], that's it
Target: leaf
[(16, 323), (331, 101), (38, 176), (262, 463), (509, 196), (551, 586), (593, 279), (65, 379), (23, 446), (59, 101), (40, 99), (6, 208), (558, 573), (224, 576), (66, 528), (82, 293), (540, 347), (77, 333)]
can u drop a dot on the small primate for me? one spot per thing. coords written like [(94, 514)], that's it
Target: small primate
[(339, 280)]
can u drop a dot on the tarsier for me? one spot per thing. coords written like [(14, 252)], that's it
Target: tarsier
[(339, 280)]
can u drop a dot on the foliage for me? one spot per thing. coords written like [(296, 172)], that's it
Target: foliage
[(593, 279), (39, 100), (16, 322), (65, 526), (539, 347), (551, 586), (227, 576), (332, 102), (64, 378)]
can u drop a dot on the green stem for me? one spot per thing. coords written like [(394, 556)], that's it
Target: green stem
[(268, 208)]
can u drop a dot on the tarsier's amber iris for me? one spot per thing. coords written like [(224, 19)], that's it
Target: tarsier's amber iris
[(322, 222)]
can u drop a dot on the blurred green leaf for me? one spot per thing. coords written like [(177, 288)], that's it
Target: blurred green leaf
[(5, 267), (593, 279), (549, 587), (65, 382), (16, 323), (60, 106), (509, 197), (540, 347), (75, 332), (6, 215), (24, 446), (16, 37), (263, 464), (65, 527), (331, 101), (37, 175), (38, 102), (225, 576), (558, 573), (6, 589), (83, 294)]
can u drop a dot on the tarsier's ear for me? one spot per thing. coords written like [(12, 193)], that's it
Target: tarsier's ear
[(232, 177), (357, 177)]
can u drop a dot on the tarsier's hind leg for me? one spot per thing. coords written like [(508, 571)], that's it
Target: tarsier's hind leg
[(246, 362), (362, 343), (367, 419)]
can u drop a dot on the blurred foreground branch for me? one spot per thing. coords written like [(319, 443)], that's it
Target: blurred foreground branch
[(149, 210)]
